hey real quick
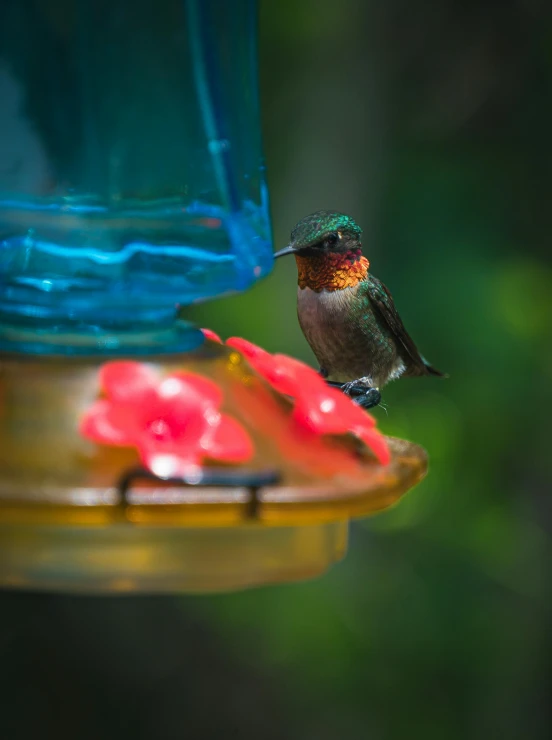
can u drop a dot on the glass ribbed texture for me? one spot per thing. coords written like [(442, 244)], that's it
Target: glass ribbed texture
[(131, 174)]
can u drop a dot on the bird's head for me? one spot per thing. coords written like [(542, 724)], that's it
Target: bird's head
[(323, 233)]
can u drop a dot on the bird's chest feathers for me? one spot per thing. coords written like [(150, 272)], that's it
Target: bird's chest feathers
[(331, 272), (323, 311)]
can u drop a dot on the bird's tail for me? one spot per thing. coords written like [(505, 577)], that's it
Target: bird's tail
[(430, 370)]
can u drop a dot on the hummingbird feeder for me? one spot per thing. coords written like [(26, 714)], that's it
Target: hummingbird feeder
[(139, 453)]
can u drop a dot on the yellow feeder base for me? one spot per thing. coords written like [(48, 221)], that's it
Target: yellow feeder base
[(128, 559), (67, 525)]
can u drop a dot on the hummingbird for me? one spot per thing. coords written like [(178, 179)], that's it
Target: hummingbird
[(346, 314)]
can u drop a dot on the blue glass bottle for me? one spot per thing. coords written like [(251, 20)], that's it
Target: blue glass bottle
[(131, 175)]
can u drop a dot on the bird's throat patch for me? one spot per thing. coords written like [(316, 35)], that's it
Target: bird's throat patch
[(332, 271)]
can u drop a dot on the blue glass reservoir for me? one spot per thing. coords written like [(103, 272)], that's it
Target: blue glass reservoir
[(131, 173)]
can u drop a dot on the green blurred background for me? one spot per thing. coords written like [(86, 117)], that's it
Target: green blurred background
[(430, 123)]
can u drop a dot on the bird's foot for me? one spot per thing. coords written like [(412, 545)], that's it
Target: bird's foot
[(363, 395), (367, 398)]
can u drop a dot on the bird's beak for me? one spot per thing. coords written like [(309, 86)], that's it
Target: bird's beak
[(286, 250)]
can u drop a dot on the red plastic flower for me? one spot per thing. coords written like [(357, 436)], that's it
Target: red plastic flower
[(173, 421), (213, 336), (318, 407)]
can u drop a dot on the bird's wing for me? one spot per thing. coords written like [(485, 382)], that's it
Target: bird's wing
[(382, 302)]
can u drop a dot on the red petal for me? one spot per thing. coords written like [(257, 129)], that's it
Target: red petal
[(317, 419), (128, 381), (299, 369), (310, 454), (332, 412), (192, 385), (280, 379), (293, 377), (299, 381), (106, 424), (265, 364), (248, 349), (350, 412), (321, 409), (328, 411), (274, 368), (210, 334), (375, 441), (230, 442)]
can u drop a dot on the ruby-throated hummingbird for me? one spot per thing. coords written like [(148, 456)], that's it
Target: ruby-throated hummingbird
[(347, 315)]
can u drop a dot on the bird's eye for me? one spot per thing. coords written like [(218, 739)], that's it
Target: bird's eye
[(331, 239)]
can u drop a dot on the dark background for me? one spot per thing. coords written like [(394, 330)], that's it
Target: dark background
[(430, 123)]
